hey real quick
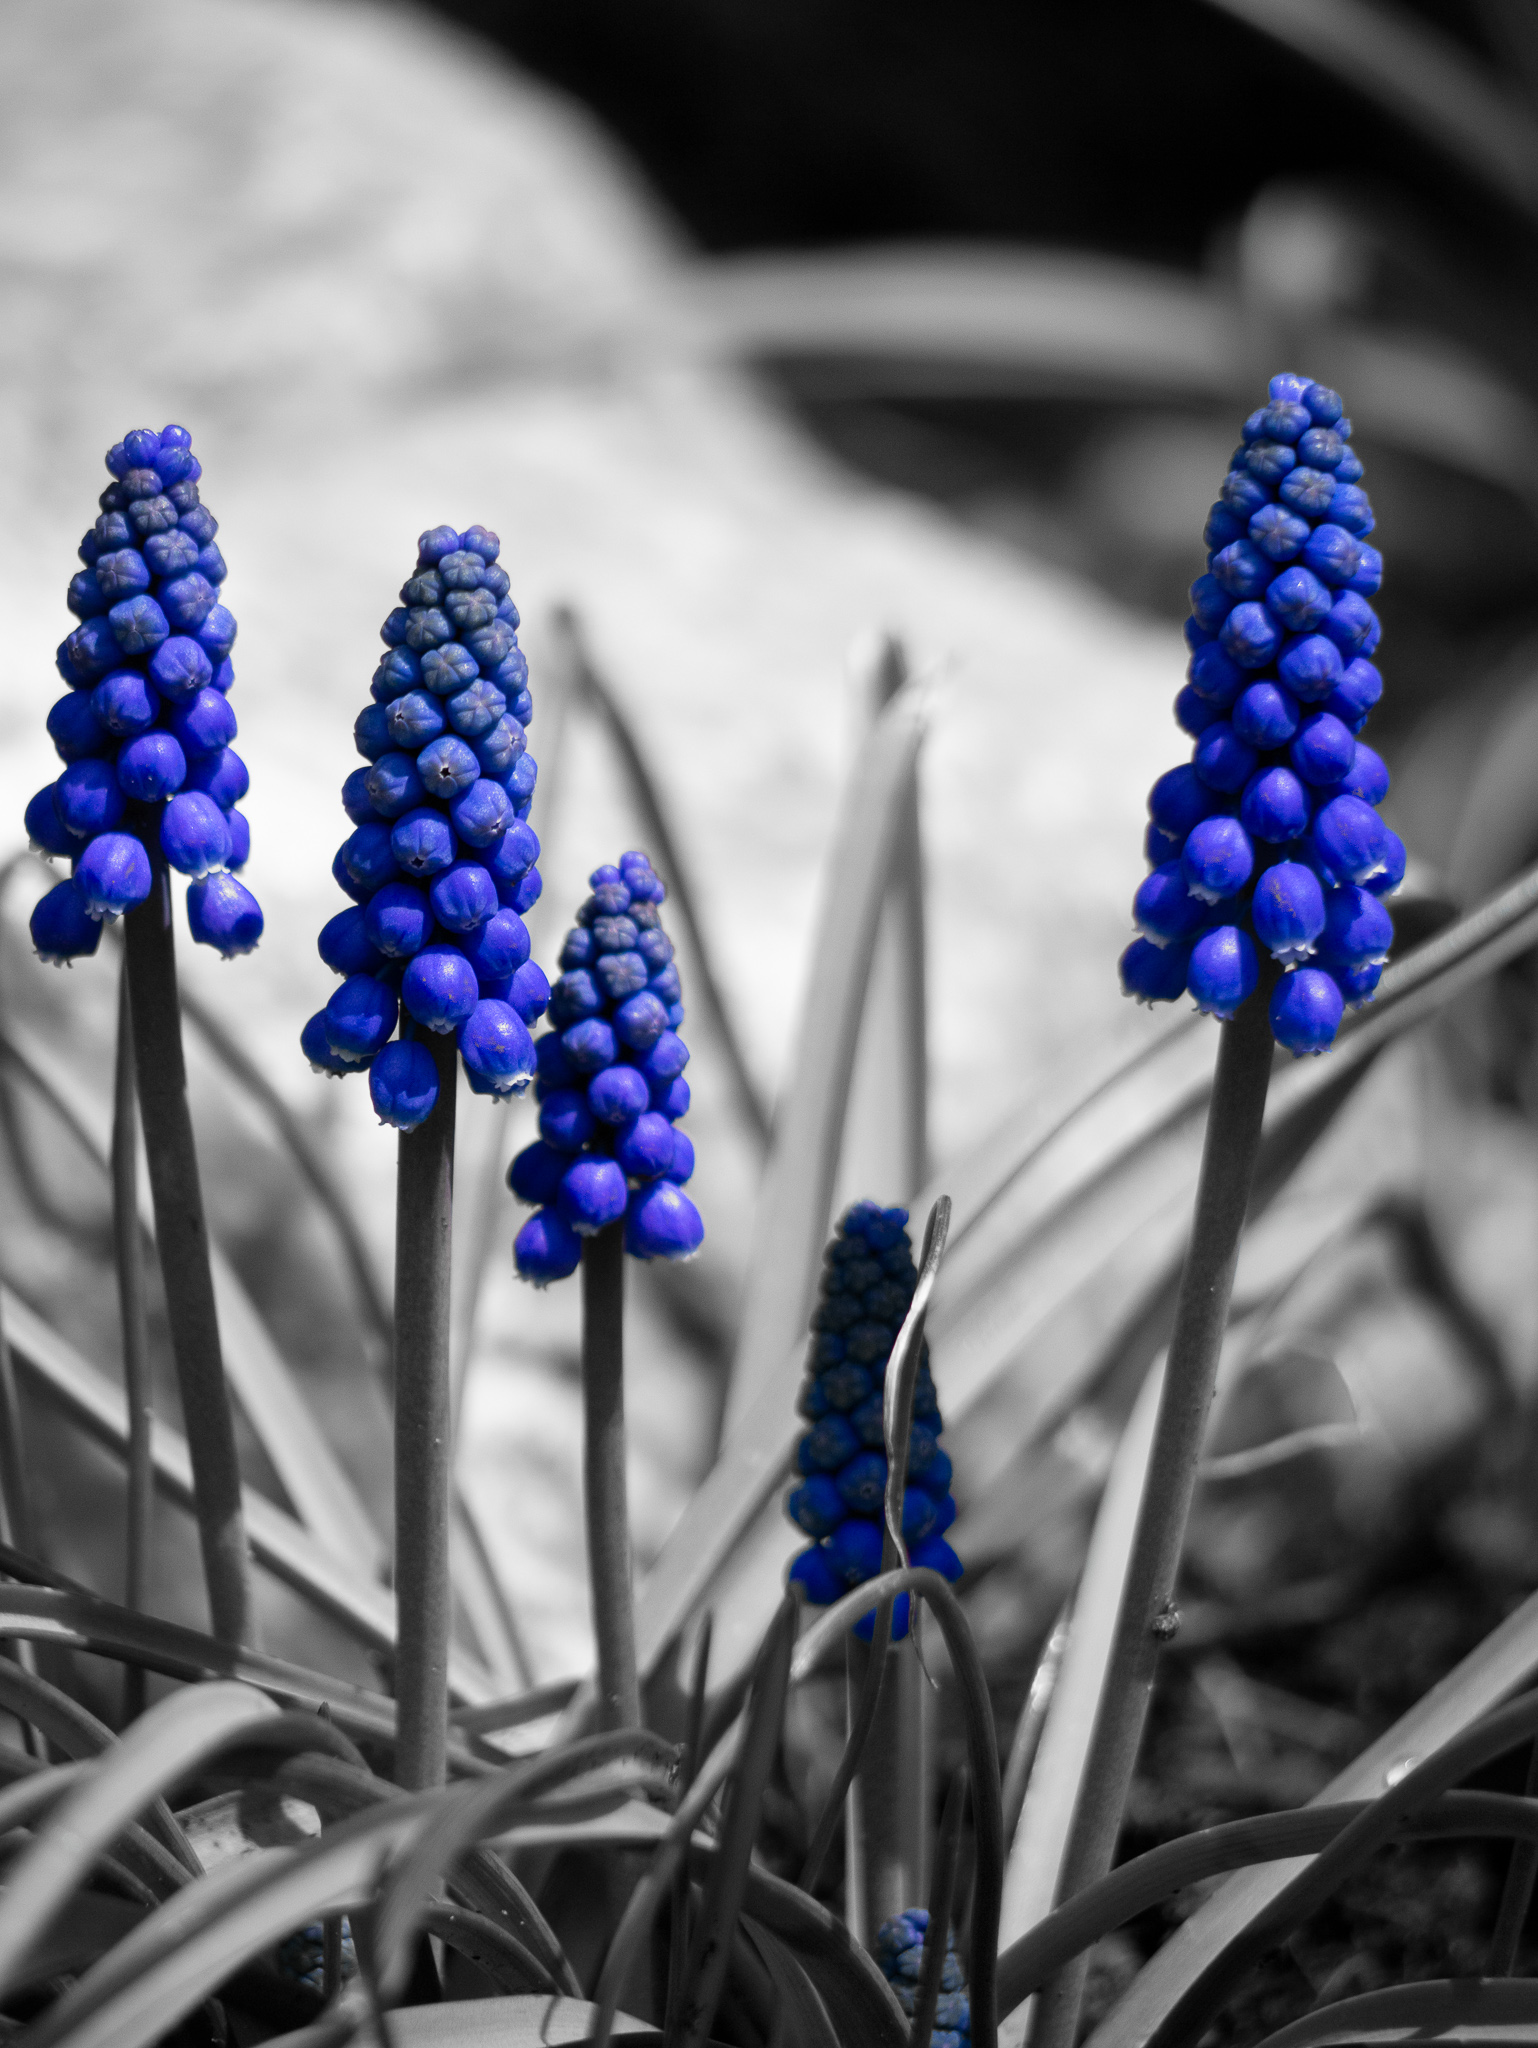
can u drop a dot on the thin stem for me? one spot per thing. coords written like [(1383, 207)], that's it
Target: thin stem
[(942, 1894), (863, 1690), (137, 1383), (888, 1807), (678, 1924), (424, 1215), (1516, 1893), (1147, 1616), (182, 1236), (603, 1476), (1033, 1719)]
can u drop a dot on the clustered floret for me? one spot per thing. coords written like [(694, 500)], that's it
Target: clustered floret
[(440, 864), (1272, 832), (610, 1088), (144, 729), (900, 1951), (867, 1283)]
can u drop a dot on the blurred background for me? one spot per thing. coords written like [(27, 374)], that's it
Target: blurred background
[(754, 330)]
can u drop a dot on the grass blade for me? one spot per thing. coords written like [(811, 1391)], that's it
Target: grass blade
[(91, 1400), (678, 1924), (1146, 1881), (1033, 1720), (1506, 1660), (797, 1190), (604, 1494), (167, 1742), (1466, 2010), (942, 1895), (763, 1720), (310, 1472), (1424, 79), (592, 689)]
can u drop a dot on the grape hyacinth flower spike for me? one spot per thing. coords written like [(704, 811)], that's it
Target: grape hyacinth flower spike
[(434, 972), (900, 1952), (150, 783), (1268, 865), (607, 1174), (867, 1283)]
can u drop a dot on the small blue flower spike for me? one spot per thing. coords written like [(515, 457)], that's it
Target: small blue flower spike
[(440, 861), (1270, 841), (610, 1086), (144, 730), (900, 1952), (867, 1283)]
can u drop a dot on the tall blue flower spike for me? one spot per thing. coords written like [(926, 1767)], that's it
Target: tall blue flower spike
[(1271, 836), (867, 1283), (611, 1089), (900, 1952), (145, 727), (439, 865)]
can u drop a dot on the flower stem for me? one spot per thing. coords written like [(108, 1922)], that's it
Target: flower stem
[(603, 1476), (1147, 1616), (424, 1218), (182, 1236), (888, 1806), (137, 1383)]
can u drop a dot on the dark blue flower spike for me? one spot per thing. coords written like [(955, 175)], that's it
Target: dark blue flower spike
[(867, 1283), (900, 1952), (610, 1088), (1270, 838), (145, 728), (440, 864)]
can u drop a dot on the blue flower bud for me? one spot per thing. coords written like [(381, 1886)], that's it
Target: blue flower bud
[(462, 896), (88, 797), (1244, 494), (413, 719), (394, 786), (1352, 511), (1223, 760), (1323, 750), (1154, 974), (1274, 806), (1223, 970), (1211, 602), (204, 723), (1193, 712), (1353, 625), (1358, 985), (641, 1022), (46, 831), (1310, 666), (1358, 931), (439, 988), (1269, 461), (536, 1173), (1309, 490), (815, 1505), (187, 601), (371, 732), (89, 652), (223, 776), (590, 1045), (499, 749), (151, 767), (1218, 859), (403, 1084), (76, 730), (816, 1577), (62, 926), (84, 596), (172, 554), (1278, 533), (1180, 800), (1266, 716), (1243, 571), (179, 668), (138, 624), (125, 702), (476, 710), (1367, 776), (644, 1149), (1288, 911), (448, 669), (482, 814), (240, 838), (618, 1095), (447, 767), (1298, 600), (121, 574), (546, 1249), (565, 1120), (1164, 909), (854, 1550), (497, 948), (496, 1048), (345, 946), (422, 842), (368, 856), (592, 1195), (529, 992), (223, 913), (356, 801), (360, 1017), (113, 874), (682, 1168), (1332, 553), (398, 920), (1350, 840), (1369, 575), (1306, 1010)]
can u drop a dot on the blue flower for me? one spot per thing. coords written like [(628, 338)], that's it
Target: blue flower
[(610, 1088), (867, 1284), (147, 715), (440, 864), (1270, 838), (900, 1952)]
